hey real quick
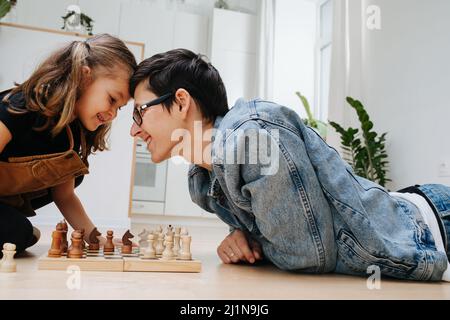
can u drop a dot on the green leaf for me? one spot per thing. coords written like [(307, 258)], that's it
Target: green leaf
[(5, 7)]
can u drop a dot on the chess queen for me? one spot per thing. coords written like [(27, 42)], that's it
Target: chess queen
[(50, 124)]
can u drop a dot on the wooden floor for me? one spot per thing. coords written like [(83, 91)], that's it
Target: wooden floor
[(216, 281)]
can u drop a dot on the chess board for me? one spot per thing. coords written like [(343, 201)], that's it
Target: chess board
[(116, 261)]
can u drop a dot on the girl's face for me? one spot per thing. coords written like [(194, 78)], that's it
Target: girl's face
[(101, 98)]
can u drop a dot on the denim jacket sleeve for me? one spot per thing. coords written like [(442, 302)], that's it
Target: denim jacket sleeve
[(296, 231)]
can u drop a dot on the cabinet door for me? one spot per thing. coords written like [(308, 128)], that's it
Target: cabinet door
[(233, 52), (178, 200), (144, 22)]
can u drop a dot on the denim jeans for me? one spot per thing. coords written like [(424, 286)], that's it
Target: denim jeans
[(312, 213)]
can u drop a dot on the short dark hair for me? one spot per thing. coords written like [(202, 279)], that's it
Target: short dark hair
[(181, 68)]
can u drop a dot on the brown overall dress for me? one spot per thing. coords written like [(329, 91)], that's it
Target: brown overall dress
[(25, 180)]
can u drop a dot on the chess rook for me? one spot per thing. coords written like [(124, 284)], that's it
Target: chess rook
[(185, 252)]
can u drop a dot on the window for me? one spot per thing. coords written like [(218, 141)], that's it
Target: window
[(323, 57)]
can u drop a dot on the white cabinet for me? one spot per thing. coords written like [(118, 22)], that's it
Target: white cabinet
[(143, 22), (178, 199), (105, 13), (191, 32), (233, 52)]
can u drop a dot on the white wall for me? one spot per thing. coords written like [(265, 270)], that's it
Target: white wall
[(405, 77), (295, 29)]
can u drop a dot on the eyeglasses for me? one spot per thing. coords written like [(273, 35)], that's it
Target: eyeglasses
[(139, 111)]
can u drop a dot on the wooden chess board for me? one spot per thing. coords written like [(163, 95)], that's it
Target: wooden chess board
[(116, 261)]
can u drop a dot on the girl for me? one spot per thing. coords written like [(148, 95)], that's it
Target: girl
[(50, 124)]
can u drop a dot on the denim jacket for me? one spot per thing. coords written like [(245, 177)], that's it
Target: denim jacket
[(309, 212)]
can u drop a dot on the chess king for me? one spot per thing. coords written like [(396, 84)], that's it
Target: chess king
[(286, 195), (50, 124)]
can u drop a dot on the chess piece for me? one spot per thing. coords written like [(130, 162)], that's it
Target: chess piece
[(169, 230), (127, 245), (184, 231), (109, 245), (159, 244), (185, 252), (57, 242), (143, 236), (64, 243), (7, 264), (83, 244), (75, 251), (176, 241), (150, 252), (94, 243), (168, 250)]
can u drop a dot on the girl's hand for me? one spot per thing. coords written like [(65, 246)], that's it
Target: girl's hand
[(238, 247)]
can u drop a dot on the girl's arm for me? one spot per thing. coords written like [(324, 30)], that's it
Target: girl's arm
[(5, 136), (71, 208)]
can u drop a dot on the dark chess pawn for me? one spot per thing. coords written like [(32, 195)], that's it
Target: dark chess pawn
[(75, 250), (109, 245)]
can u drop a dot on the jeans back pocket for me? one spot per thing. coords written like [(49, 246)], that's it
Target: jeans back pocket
[(358, 259)]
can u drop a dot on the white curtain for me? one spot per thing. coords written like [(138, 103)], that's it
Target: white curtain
[(266, 15), (346, 66)]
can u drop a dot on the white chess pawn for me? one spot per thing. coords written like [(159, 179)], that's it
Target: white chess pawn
[(168, 251), (143, 238), (7, 264), (185, 252), (159, 244), (150, 252)]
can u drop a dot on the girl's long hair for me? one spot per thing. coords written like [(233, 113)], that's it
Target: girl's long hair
[(55, 86)]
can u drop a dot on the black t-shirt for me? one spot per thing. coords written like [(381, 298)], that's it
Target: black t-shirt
[(26, 141)]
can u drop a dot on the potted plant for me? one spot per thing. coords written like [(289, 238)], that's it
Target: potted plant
[(364, 150)]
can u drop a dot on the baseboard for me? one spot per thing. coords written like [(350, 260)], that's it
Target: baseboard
[(174, 220)]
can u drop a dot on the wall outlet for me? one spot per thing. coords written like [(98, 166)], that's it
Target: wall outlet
[(444, 169)]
